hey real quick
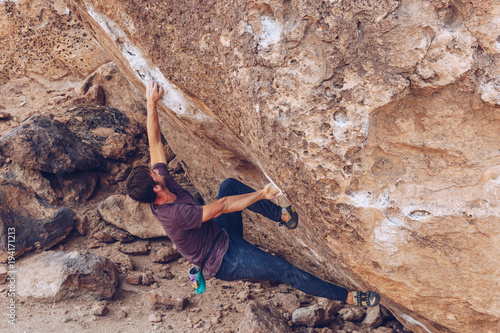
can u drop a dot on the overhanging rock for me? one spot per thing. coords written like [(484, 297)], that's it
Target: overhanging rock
[(365, 114)]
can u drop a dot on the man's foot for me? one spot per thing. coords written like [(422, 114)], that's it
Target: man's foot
[(369, 298), (289, 217)]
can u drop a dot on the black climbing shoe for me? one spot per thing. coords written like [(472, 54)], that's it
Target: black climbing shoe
[(293, 220), (369, 298)]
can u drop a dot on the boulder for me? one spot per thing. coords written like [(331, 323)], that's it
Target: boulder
[(352, 314), (164, 252), (316, 315), (55, 276), (136, 248), (100, 309), (73, 189), (5, 115), (373, 317), (162, 300), (117, 147), (47, 145), (258, 318), (107, 130), (289, 302), (134, 217), (122, 261), (103, 236), (89, 94), (134, 278), (32, 178), (34, 223)]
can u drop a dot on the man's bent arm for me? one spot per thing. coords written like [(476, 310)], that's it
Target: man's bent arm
[(156, 150), (237, 203)]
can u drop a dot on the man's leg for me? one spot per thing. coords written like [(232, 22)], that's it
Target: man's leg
[(245, 261), (232, 222)]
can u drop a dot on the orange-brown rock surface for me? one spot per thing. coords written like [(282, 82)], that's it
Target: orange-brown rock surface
[(378, 120)]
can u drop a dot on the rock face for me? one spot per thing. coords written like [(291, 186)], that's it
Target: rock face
[(378, 120), (56, 276), (36, 224)]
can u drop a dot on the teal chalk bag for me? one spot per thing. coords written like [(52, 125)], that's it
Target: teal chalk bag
[(197, 279)]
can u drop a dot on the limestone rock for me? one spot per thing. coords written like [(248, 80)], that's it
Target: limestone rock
[(162, 300), (154, 318), (258, 318), (490, 92), (352, 314), (117, 146), (5, 115), (107, 130), (32, 178), (90, 94), (32, 50), (373, 317), (134, 278), (122, 261), (384, 330), (73, 189), (289, 302), (136, 248), (132, 216), (100, 309), (147, 278), (55, 276), (122, 236), (164, 252), (47, 145), (104, 237), (315, 315), (35, 224)]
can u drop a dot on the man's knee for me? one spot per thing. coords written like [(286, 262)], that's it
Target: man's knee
[(226, 186)]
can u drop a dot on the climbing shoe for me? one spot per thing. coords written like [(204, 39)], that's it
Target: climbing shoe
[(369, 298), (293, 217)]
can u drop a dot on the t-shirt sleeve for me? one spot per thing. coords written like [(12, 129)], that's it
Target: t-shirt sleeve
[(188, 216)]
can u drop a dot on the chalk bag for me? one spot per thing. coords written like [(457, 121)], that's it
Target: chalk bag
[(197, 280)]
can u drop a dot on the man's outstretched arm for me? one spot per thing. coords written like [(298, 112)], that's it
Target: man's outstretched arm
[(156, 150), (236, 203)]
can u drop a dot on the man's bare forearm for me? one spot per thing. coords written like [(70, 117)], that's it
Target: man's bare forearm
[(153, 95), (153, 125), (237, 203)]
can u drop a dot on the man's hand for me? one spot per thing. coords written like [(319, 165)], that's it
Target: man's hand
[(153, 92), (270, 192)]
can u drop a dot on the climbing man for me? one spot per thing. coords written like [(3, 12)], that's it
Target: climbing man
[(211, 236)]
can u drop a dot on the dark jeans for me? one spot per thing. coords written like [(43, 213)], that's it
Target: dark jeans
[(245, 261)]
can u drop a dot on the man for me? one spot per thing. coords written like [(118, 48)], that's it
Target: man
[(211, 236)]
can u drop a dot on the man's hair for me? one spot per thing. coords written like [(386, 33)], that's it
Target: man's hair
[(140, 185)]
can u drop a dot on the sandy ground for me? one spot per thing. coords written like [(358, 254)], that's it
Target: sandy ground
[(219, 309)]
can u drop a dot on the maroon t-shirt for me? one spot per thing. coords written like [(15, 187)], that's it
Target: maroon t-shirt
[(182, 223)]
